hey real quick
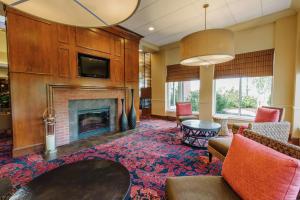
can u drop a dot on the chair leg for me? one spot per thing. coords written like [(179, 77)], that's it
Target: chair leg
[(210, 157)]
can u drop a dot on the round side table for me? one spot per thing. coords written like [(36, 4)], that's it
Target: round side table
[(197, 132), (224, 131)]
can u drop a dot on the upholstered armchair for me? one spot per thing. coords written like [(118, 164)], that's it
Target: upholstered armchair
[(184, 112), (267, 118)]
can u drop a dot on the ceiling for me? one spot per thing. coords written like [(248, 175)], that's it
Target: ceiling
[(174, 19)]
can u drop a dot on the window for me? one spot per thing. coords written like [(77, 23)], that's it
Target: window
[(183, 91), (242, 96), (144, 70)]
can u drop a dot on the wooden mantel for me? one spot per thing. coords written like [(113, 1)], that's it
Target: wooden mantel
[(43, 55)]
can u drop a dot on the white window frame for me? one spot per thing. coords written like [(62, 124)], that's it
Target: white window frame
[(238, 116)]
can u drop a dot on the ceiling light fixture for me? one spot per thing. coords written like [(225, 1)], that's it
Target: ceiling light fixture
[(83, 13), (207, 47), (151, 28)]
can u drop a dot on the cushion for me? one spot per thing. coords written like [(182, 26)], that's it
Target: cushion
[(183, 109), (267, 115), (199, 187), (258, 172), (220, 144), (187, 117)]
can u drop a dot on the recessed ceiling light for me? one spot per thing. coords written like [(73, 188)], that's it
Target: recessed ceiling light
[(151, 28), (140, 50)]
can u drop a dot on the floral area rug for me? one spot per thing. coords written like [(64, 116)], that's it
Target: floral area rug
[(151, 153)]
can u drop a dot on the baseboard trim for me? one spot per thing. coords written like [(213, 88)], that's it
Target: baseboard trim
[(21, 151), (169, 118)]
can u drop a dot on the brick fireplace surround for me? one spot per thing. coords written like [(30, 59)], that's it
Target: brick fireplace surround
[(59, 97)]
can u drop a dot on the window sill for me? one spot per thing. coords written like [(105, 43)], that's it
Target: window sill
[(174, 111), (234, 117)]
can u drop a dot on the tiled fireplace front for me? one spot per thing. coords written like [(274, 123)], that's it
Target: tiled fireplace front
[(84, 113), (91, 117)]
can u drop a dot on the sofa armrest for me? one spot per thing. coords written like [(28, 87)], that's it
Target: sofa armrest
[(282, 147), (276, 130), (236, 127)]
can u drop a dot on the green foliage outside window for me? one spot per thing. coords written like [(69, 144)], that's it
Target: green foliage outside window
[(229, 99), (194, 99), (232, 99)]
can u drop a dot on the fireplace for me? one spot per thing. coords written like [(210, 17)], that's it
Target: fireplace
[(91, 117), (93, 121)]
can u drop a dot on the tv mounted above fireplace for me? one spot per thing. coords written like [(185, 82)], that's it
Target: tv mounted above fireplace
[(93, 66)]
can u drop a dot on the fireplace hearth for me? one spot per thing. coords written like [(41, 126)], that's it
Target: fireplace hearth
[(91, 122)]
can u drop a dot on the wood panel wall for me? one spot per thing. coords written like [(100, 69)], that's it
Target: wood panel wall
[(42, 52)]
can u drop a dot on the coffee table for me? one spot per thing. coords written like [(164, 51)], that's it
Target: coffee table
[(84, 180), (197, 132)]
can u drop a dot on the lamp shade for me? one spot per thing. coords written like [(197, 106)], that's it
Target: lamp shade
[(83, 13), (207, 47)]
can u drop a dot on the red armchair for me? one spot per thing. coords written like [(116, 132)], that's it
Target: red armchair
[(184, 112)]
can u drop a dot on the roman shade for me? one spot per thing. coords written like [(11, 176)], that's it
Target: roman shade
[(182, 73), (252, 64)]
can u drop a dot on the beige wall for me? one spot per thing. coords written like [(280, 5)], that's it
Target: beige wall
[(158, 79), (284, 68), (296, 120), (280, 34), (3, 48), (3, 72), (254, 39), (206, 107)]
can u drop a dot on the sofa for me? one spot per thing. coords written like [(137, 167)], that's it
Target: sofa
[(6, 189), (268, 122), (219, 146), (239, 174)]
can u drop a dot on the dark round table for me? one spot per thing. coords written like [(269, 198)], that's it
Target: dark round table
[(84, 180), (197, 132)]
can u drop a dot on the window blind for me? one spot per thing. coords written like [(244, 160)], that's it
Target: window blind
[(252, 64), (179, 72)]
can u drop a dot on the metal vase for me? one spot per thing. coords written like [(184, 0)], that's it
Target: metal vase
[(132, 113), (123, 120)]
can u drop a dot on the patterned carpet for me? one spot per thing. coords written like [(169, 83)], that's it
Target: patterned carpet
[(151, 153)]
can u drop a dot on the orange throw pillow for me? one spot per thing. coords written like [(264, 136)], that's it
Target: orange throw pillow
[(267, 115), (257, 172)]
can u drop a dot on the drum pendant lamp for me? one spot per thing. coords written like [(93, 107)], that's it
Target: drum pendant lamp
[(207, 47)]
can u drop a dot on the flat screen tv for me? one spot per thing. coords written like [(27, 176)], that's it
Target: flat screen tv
[(93, 66)]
